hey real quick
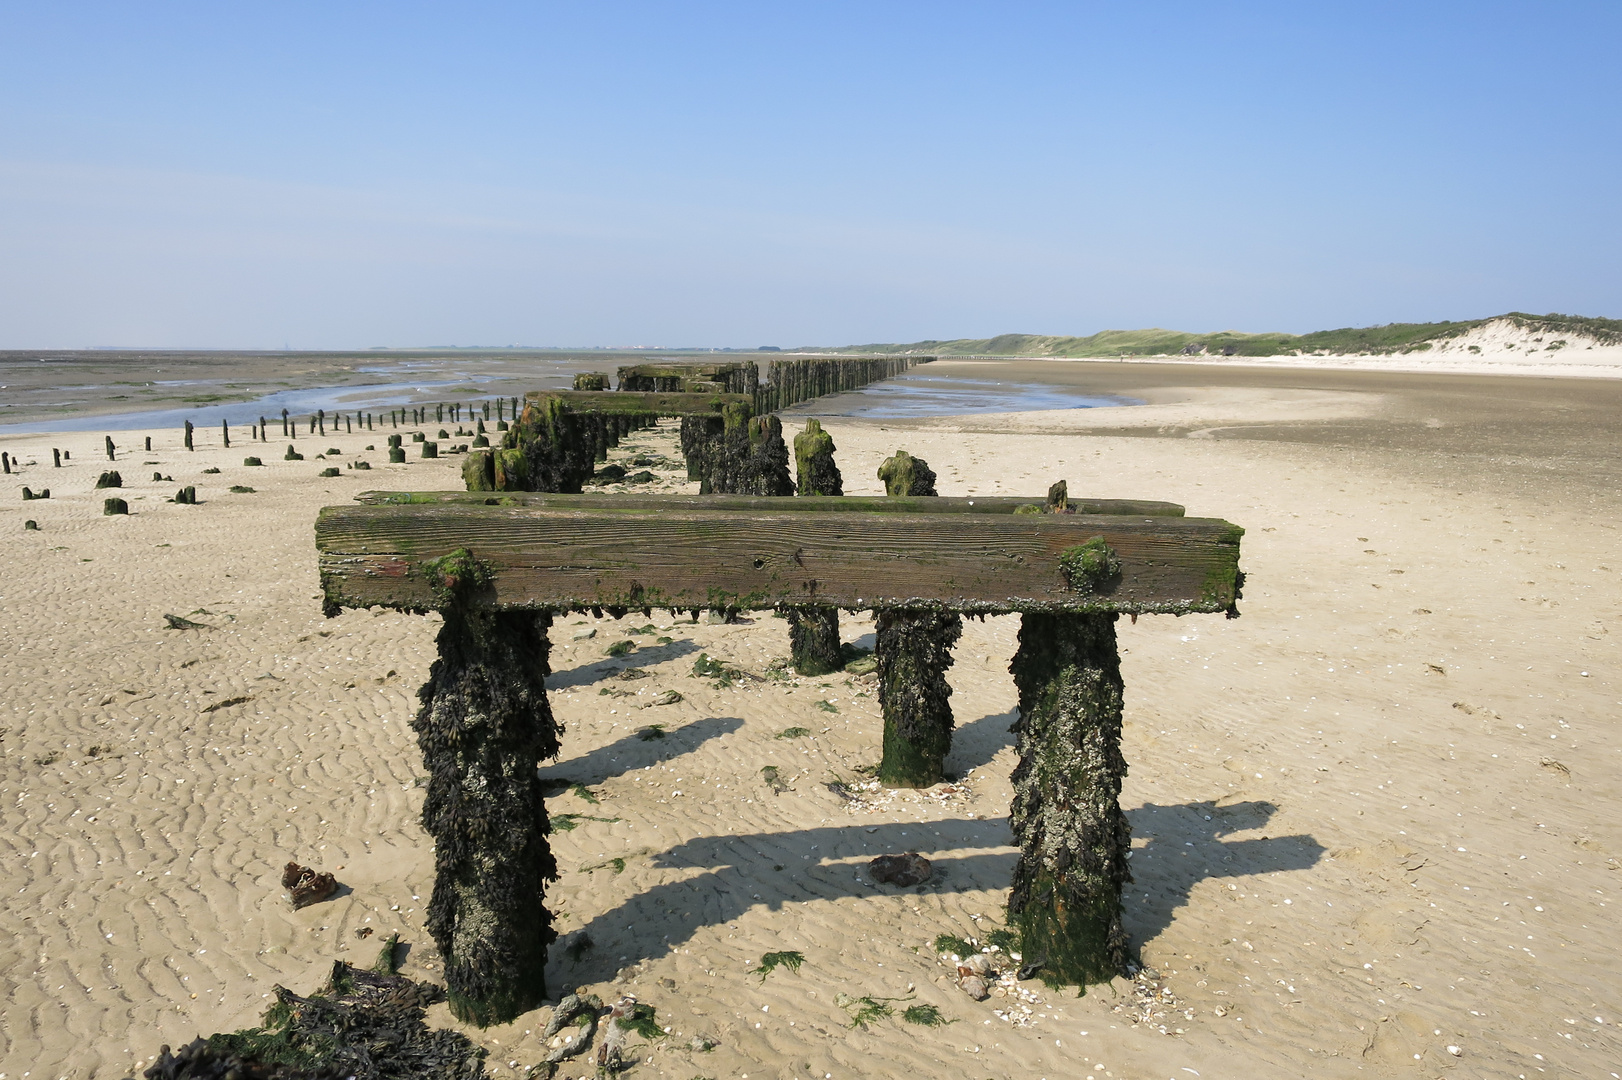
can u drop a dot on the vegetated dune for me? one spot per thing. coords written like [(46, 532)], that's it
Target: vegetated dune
[(1515, 332)]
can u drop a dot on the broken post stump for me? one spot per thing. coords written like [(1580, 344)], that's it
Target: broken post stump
[(1067, 819), (111, 507), (110, 479), (484, 724), (904, 474), (814, 460)]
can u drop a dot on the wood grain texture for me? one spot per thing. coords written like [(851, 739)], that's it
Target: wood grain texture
[(1000, 504), (552, 557), (641, 403)]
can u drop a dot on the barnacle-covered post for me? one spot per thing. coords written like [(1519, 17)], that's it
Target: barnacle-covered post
[(483, 726), (914, 649), (1067, 819), (813, 632)]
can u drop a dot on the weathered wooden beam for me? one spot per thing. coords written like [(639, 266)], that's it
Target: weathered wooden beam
[(635, 403), (866, 504), (561, 556)]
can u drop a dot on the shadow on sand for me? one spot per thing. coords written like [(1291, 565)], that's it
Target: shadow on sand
[(775, 870)]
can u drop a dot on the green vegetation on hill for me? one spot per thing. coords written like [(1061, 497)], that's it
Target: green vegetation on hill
[(1390, 338)]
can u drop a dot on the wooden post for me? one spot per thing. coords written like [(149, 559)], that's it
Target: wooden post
[(813, 633), (904, 474), (814, 460), (766, 470), (225, 433), (188, 435), (56, 458), (5, 463), (914, 650), (109, 440), (321, 418), (1067, 819), (484, 725), (284, 423), (149, 444)]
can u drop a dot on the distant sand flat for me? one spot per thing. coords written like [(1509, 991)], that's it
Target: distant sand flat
[(1378, 815)]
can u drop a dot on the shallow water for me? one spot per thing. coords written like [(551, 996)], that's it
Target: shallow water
[(922, 393), (915, 394)]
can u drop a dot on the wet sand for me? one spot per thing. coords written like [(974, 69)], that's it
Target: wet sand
[(1374, 818)]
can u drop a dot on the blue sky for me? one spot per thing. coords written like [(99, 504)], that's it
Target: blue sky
[(347, 175)]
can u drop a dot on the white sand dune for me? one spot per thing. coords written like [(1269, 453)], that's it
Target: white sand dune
[(1373, 818)]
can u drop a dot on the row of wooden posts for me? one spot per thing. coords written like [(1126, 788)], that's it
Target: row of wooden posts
[(500, 560)]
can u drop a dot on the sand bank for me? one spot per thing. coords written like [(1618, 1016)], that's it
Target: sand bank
[(1373, 818)]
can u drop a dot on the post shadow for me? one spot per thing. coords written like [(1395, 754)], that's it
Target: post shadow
[(1184, 848), (631, 751), (974, 744), (777, 870), (602, 667)]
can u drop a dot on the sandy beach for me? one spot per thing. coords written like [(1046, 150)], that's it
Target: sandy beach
[(1375, 819)]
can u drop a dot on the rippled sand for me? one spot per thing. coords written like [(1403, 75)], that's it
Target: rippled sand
[(1373, 818)]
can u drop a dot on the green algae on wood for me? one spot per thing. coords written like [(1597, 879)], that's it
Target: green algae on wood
[(484, 724), (1067, 819)]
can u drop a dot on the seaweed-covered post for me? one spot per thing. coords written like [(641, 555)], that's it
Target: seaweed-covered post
[(814, 461), (766, 472), (813, 633), (484, 725), (914, 649), (904, 474), (1067, 819)]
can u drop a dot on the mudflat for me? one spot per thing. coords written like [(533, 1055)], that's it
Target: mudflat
[(1375, 818)]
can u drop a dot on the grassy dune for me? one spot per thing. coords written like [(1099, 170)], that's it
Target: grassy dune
[(1390, 338)]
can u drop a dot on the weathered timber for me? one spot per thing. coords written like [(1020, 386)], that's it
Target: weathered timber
[(188, 435), (794, 379), (642, 555), (914, 649), (1073, 838), (640, 404), (483, 725), (734, 377), (111, 507), (813, 640), (867, 504), (814, 460)]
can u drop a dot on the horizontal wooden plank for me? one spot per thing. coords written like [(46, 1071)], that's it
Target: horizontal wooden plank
[(865, 504), (548, 557), (642, 403), (681, 369)]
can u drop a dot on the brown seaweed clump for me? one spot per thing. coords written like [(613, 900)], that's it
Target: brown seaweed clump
[(363, 1025)]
